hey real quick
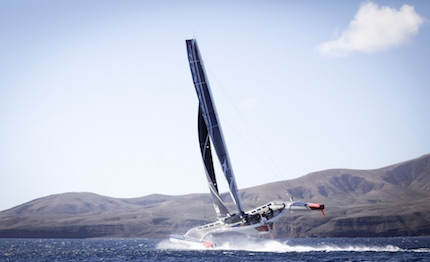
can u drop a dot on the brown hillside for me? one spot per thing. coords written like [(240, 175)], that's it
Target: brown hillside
[(391, 201)]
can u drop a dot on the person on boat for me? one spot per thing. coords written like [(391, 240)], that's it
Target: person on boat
[(283, 207), (264, 217), (270, 213)]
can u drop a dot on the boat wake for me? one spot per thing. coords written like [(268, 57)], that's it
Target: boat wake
[(285, 247)]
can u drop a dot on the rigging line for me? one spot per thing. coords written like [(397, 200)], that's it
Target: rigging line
[(285, 182), (252, 149), (274, 166)]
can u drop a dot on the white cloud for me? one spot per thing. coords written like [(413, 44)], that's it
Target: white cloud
[(375, 29)]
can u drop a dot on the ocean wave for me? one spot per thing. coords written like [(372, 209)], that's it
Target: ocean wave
[(286, 246)]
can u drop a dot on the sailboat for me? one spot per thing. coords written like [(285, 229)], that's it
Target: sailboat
[(254, 222)]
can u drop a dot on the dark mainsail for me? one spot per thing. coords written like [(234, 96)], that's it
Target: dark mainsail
[(205, 149), (210, 126)]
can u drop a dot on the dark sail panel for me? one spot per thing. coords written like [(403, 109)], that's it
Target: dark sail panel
[(205, 149), (210, 117)]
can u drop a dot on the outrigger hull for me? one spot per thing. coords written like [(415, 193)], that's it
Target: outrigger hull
[(190, 242), (209, 242)]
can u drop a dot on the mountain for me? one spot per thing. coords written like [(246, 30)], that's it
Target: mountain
[(390, 201)]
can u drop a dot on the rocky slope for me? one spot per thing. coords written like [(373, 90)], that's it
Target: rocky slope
[(391, 201)]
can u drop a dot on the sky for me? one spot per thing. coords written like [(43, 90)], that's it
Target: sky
[(97, 96)]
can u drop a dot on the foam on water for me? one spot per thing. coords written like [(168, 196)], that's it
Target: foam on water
[(284, 247)]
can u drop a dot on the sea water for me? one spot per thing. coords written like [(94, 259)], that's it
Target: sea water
[(308, 249)]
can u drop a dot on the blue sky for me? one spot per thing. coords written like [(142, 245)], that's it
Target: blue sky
[(97, 96)]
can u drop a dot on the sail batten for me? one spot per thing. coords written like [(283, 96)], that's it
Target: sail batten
[(210, 118)]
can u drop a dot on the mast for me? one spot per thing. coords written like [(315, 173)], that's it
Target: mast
[(210, 116)]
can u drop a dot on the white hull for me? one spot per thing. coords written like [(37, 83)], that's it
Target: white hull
[(190, 242), (254, 225)]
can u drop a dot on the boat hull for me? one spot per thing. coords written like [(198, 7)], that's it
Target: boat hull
[(191, 242)]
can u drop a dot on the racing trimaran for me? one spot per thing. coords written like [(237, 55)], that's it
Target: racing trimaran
[(255, 222)]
